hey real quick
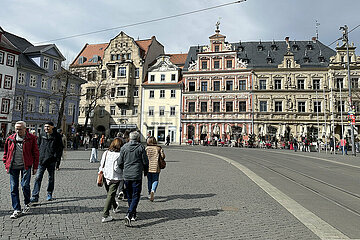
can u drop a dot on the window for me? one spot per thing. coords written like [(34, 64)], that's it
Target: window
[(262, 84), (191, 106), (113, 72), (317, 106), (10, 60), (21, 78), (229, 107), (162, 77), (42, 105), (263, 106), (128, 56), (18, 103), (204, 86), (151, 94), (161, 110), (112, 92), (216, 85), (2, 54), (46, 63), (90, 93), (173, 93), (173, 77), (152, 78), (354, 83), (204, 65), (216, 48), (112, 110), (339, 83), (72, 88), (341, 106), (113, 57), (277, 84), (316, 84), (55, 66), (216, 64), (31, 104), (301, 107), (229, 63), (122, 72), (278, 106), (203, 106), (137, 73), (242, 106), (32, 80), (54, 83), (8, 82), (172, 111), (121, 91), (123, 112), (135, 110), (216, 106), (62, 86), (151, 111), (191, 86), (71, 108), (43, 83), (103, 74), (136, 91), (102, 92), (5, 105), (242, 84), (229, 85), (301, 84), (162, 93)]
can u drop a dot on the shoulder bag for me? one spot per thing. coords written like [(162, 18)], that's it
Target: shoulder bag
[(100, 177), (162, 163)]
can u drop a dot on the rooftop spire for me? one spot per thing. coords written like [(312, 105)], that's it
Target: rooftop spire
[(217, 27)]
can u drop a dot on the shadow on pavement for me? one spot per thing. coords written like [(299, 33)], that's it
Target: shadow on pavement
[(182, 196), (174, 214)]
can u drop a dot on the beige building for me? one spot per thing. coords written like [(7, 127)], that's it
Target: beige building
[(115, 72), (161, 101)]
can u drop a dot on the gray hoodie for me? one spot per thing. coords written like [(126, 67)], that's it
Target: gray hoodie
[(133, 160)]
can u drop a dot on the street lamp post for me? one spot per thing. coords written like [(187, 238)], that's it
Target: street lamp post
[(346, 39)]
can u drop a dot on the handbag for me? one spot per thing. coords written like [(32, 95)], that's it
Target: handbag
[(162, 163), (100, 177)]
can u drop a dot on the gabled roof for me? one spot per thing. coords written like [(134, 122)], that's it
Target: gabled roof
[(274, 50), (19, 42), (43, 49), (89, 51), (178, 59), (144, 46)]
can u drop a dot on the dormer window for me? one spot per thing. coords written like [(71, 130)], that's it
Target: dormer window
[(46, 62), (246, 60), (295, 47), (81, 60), (274, 47), (260, 48), (306, 59), (321, 59), (309, 46), (240, 48), (269, 60)]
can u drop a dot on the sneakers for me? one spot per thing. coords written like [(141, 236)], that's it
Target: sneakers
[(121, 195), (26, 209), (127, 221), (49, 197), (107, 219), (133, 218), (152, 196), (16, 214)]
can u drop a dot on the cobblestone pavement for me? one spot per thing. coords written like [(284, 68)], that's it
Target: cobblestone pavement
[(199, 196)]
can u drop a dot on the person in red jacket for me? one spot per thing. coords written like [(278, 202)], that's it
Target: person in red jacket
[(21, 156)]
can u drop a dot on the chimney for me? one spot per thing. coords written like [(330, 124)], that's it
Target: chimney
[(314, 39)]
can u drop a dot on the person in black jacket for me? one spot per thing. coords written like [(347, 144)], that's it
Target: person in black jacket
[(94, 148), (50, 148)]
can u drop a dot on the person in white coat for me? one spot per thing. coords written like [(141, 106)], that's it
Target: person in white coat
[(112, 177)]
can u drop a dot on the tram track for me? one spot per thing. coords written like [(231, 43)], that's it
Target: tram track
[(291, 177)]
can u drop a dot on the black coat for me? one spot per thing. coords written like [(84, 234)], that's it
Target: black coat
[(50, 148), (95, 142)]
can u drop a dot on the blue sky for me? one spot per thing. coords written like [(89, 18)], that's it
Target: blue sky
[(44, 20)]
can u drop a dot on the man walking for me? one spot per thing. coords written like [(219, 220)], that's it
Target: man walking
[(94, 148), (133, 160), (21, 154), (50, 147)]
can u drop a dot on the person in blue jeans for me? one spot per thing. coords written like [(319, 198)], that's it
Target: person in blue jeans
[(134, 161), (50, 148), (154, 152), (21, 157)]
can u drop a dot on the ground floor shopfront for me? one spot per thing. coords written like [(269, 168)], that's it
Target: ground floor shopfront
[(161, 130)]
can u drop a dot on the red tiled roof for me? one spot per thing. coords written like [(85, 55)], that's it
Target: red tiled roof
[(178, 59), (144, 45), (88, 52)]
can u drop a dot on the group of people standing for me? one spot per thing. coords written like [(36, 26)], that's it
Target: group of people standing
[(26, 154), (128, 162)]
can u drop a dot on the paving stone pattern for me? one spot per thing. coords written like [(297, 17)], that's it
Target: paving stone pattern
[(198, 197)]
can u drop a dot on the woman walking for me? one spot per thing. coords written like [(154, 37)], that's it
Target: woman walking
[(112, 177), (153, 152)]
